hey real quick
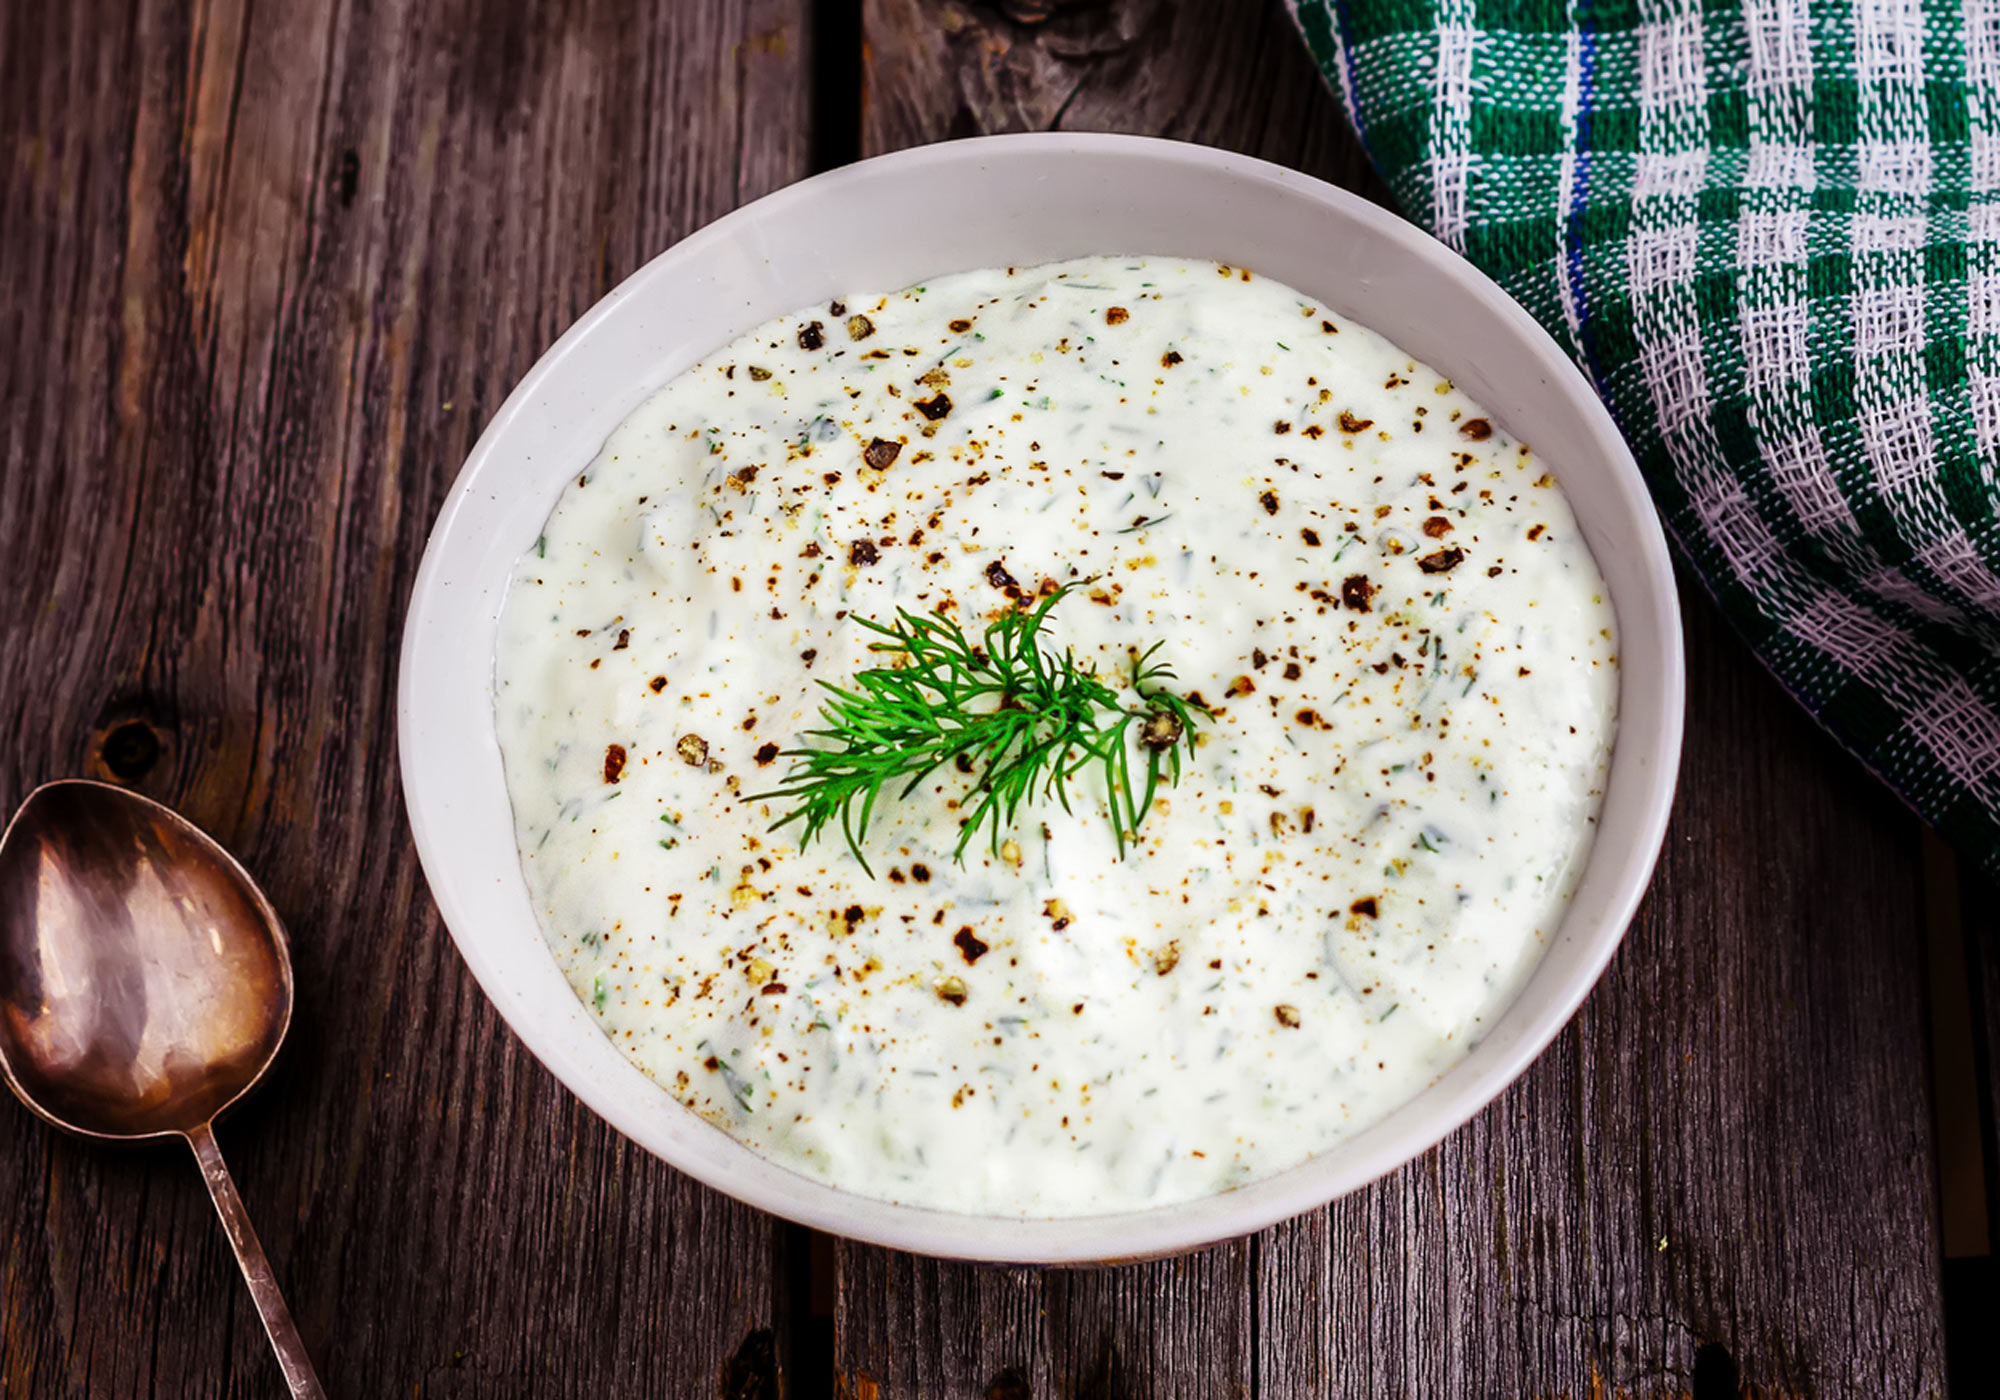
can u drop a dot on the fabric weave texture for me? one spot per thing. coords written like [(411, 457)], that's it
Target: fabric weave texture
[(1768, 231)]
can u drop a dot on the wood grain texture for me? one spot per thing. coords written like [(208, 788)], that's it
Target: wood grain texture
[(1720, 1174), (267, 270), (1220, 72)]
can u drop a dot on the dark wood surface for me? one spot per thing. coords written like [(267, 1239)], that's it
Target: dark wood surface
[(266, 269), (1983, 958)]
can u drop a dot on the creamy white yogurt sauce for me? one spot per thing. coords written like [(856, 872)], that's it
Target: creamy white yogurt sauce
[(1382, 597)]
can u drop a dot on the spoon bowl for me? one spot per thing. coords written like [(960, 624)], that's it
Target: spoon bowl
[(145, 987), (145, 981)]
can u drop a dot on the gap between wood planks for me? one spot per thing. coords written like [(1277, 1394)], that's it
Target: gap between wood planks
[(1965, 1229), (1968, 1171), (805, 1267)]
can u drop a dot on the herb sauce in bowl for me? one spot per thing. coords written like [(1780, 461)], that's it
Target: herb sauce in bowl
[(1401, 654)]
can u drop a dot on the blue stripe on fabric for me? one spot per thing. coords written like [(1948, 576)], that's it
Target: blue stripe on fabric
[(1344, 27), (1579, 197)]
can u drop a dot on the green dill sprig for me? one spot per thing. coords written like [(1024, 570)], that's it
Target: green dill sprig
[(1022, 720)]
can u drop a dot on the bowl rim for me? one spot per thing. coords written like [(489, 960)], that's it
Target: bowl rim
[(1156, 1230)]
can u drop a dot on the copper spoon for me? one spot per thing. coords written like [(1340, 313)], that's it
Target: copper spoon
[(145, 985)]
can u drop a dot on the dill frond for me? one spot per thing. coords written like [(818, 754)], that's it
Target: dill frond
[(1022, 720)]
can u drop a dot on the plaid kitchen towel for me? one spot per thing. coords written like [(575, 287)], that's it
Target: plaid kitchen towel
[(1769, 233)]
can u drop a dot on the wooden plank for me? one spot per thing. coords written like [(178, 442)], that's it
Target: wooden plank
[(1957, 927), (1965, 1040), (1722, 1171), (911, 1326), (267, 271)]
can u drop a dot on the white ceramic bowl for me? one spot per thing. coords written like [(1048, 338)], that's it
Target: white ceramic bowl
[(885, 224)]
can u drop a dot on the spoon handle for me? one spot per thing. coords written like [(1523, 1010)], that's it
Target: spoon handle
[(292, 1358)]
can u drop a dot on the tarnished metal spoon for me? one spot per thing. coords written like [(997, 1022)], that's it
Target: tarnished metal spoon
[(145, 985)]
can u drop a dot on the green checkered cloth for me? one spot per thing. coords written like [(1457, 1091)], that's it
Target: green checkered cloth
[(1769, 233)]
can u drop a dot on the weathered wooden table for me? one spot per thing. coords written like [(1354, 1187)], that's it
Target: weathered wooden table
[(266, 269)]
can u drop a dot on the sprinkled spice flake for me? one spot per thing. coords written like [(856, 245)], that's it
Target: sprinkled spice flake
[(970, 946), (1394, 681)]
